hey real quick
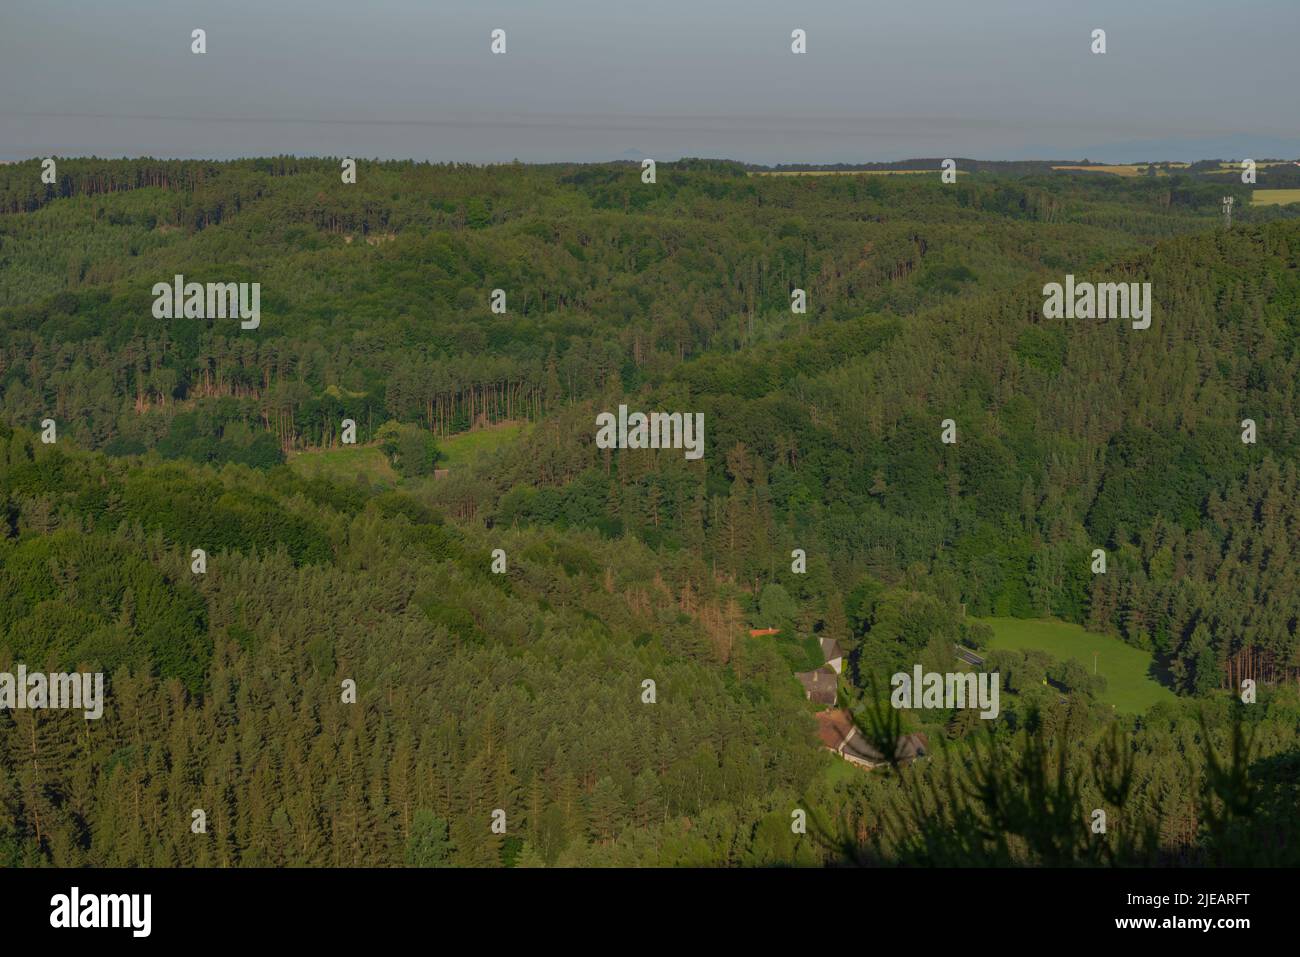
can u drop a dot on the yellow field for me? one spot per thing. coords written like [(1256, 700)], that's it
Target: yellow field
[(1274, 197), (1131, 169)]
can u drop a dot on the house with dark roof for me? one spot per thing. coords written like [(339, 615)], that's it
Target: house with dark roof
[(820, 685), (834, 654)]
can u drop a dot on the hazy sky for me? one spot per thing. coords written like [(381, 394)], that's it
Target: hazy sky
[(600, 79)]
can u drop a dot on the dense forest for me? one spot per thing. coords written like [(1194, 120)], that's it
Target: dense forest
[(521, 689)]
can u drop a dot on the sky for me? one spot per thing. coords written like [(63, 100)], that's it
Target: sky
[(593, 80)]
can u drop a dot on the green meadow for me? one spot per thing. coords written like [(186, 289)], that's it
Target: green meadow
[(1129, 686), (345, 464), (461, 449)]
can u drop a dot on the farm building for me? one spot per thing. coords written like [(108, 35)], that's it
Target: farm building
[(834, 654), (838, 733), (819, 685)]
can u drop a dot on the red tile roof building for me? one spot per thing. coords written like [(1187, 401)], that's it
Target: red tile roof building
[(838, 733)]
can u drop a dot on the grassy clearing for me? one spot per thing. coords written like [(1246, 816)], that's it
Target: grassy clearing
[(1274, 197), (839, 771), (460, 450), (1129, 685), (344, 464)]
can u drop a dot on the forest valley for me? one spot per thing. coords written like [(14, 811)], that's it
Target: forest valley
[(522, 691)]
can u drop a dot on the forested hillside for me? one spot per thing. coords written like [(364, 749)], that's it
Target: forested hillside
[(523, 690)]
